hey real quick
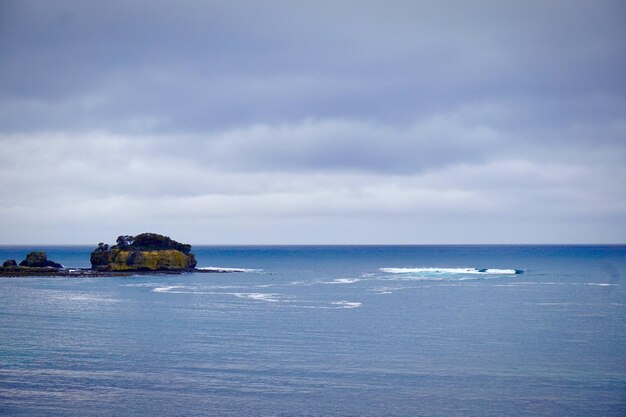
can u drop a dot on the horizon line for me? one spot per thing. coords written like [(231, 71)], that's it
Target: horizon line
[(343, 244)]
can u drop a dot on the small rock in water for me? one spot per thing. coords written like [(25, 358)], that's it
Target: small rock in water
[(39, 260), (9, 263)]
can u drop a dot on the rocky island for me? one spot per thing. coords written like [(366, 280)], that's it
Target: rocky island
[(144, 253), (35, 263)]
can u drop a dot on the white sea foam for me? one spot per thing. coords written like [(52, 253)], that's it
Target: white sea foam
[(451, 271), (601, 284), (496, 271), (220, 269), (168, 288), (347, 304), (258, 296), (343, 281)]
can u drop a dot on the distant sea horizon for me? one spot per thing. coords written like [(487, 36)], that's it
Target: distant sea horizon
[(343, 244)]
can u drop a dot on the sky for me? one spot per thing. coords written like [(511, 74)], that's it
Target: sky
[(326, 122)]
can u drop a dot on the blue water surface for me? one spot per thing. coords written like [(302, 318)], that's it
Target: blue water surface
[(323, 330)]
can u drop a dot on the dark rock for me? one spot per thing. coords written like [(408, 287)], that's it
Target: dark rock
[(100, 259), (9, 263), (192, 260), (39, 260)]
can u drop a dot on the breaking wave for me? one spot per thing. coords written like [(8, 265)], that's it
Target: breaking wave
[(453, 271), (446, 274)]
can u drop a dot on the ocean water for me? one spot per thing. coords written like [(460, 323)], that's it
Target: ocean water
[(323, 331)]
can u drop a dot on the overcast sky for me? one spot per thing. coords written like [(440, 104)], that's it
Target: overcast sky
[(225, 122)]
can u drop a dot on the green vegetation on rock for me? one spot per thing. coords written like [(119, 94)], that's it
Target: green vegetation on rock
[(144, 252)]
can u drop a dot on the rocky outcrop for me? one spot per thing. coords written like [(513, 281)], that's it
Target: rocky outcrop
[(153, 260), (39, 260), (144, 252), (35, 264)]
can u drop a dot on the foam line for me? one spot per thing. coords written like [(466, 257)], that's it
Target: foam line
[(450, 271), (220, 269), (168, 288)]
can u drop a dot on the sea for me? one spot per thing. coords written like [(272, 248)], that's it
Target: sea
[(322, 331)]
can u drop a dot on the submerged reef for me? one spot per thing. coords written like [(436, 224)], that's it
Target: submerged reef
[(144, 252)]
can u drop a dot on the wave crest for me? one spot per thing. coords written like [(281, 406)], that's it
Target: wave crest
[(452, 271)]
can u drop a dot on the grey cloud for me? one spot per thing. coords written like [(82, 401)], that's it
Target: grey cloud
[(205, 65), (332, 121), (460, 204), (53, 170), (345, 145)]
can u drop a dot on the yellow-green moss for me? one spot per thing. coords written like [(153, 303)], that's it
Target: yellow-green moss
[(150, 260)]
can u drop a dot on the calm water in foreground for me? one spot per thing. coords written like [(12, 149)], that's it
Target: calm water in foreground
[(312, 331)]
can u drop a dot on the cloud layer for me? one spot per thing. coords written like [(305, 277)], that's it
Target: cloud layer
[(339, 122)]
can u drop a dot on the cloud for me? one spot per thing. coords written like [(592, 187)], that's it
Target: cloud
[(213, 65), (341, 121), (100, 182)]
